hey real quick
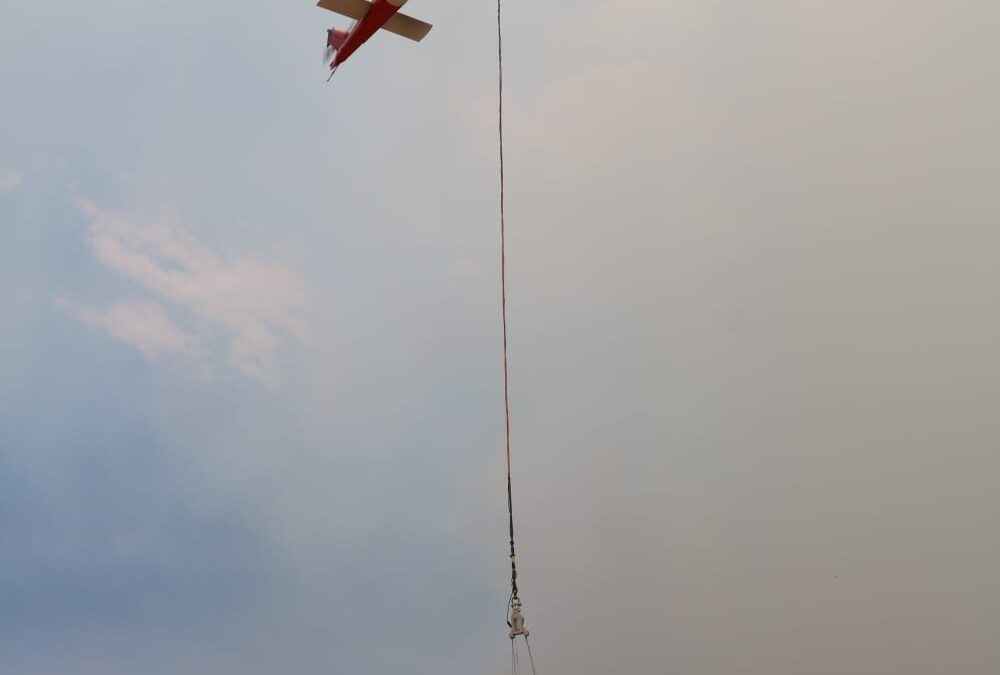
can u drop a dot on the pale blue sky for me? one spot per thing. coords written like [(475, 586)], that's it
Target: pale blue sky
[(250, 395)]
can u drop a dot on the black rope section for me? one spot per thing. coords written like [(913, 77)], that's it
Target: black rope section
[(503, 308), (515, 618)]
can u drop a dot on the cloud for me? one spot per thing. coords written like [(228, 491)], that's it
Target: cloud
[(9, 181), (142, 325), (584, 116), (254, 305), (590, 116), (609, 97)]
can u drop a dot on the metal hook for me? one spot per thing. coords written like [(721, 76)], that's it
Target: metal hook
[(516, 619)]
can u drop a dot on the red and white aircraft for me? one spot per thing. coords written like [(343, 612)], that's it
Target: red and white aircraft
[(369, 17)]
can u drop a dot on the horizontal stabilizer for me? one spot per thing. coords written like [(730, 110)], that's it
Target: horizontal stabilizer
[(353, 9), (408, 27), (400, 24)]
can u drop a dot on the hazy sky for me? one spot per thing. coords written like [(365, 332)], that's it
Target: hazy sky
[(250, 394)]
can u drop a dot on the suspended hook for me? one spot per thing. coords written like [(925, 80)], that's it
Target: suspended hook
[(516, 619)]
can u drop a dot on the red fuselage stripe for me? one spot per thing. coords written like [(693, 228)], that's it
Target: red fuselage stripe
[(380, 12)]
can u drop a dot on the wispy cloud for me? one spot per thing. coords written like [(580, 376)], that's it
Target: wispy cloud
[(572, 127), (253, 304), (597, 109), (142, 325), (9, 181), (568, 128)]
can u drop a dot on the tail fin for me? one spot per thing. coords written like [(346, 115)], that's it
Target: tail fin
[(335, 38)]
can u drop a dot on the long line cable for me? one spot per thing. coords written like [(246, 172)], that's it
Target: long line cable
[(503, 307), (515, 619)]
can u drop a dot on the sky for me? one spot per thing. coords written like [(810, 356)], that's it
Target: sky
[(251, 413)]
